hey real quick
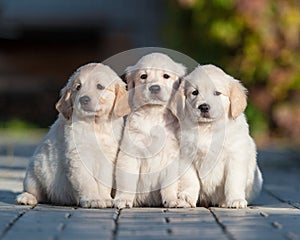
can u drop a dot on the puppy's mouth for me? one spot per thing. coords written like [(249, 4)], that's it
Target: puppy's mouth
[(89, 110), (156, 98), (205, 117), (86, 111)]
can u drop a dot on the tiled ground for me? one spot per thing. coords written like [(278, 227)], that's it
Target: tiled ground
[(275, 215)]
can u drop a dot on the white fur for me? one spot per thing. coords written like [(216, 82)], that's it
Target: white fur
[(147, 165), (218, 156), (73, 164)]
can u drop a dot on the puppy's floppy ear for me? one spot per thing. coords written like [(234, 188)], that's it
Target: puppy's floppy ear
[(238, 98), (64, 104), (121, 107), (177, 102)]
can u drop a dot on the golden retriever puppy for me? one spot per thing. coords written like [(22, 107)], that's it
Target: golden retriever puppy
[(218, 156), (147, 165), (74, 163)]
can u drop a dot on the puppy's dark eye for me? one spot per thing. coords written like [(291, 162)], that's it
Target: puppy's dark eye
[(100, 87), (166, 76), (144, 76), (195, 92), (78, 86), (216, 93)]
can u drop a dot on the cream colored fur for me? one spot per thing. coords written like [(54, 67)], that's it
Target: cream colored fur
[(218, 156), (74, 163), (147, 165)]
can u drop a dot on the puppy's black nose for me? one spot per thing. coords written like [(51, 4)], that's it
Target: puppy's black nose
[(84, 100), (154, 89), (204, 107)]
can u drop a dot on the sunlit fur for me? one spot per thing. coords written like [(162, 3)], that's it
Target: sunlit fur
[(217, 152), (148, 161), (73, 164)]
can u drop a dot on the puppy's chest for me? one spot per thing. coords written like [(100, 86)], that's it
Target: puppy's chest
[(108, 140), (208, 156), (89, 140), (151, 129), (197, 141)]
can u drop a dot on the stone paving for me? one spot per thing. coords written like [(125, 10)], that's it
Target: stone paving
[(275, 214)]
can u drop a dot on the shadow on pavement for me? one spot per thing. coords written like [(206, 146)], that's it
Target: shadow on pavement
[(8, 197)]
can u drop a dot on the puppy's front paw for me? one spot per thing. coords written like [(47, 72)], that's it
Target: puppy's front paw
[(235, 203), (185, 200), (183, 204), (171, 204), (123, 203), (109, 203), (92, 203), (26, 198)]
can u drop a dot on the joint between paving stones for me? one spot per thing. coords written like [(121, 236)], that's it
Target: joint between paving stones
[(12, 223), (116, 217), (221, 225)]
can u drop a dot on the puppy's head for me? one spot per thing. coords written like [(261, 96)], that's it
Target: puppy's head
[(210, 94), (152, 79), (93, 90)]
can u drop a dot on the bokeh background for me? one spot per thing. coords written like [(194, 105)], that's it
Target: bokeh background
[(258, 42)]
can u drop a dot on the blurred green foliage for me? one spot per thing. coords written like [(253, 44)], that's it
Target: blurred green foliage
[(255, 41), (17, 130), (17, 125)]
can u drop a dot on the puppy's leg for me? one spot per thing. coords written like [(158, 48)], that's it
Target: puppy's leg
[(169, 195), (189, 183), (104, 179), (90, 198), (31, 194), (127, 175), (85, 186), (169, 183), (189, 187), (88, 195), (236, 174), (105, 194)]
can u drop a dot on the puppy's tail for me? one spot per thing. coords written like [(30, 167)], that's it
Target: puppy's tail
[(255, 188)]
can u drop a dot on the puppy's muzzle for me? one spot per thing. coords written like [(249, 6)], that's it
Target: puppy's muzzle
[(154, 89), (204, 108), (85, 100)]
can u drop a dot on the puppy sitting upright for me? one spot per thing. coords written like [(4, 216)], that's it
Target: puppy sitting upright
[(218, 154), (73, 165), (146, 169)]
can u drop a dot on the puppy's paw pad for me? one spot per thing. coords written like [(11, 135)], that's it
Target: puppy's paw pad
[(236, 203), (26, 199), (171, 204), (122, 203), (92, 203)]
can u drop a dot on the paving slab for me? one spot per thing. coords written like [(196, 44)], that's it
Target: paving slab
[(274, 215)]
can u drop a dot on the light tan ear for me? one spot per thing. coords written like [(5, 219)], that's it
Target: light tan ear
[(64, 104), (121, 106), (238, 98), (177, 102)]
